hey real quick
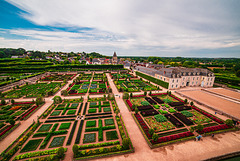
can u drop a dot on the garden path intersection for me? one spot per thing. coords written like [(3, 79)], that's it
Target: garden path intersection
[(189, 150)]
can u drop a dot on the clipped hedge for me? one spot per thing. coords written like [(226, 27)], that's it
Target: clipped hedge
[(154, 80)]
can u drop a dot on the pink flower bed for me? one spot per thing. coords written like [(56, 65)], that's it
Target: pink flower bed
[(143, 125), (28, 113), (177, 98), (208, 115), (172, 137), (155, 94), (73, 76), (20, 103), (70, 86), (214, 128), (138, 95), (129, 104), (6, 130)]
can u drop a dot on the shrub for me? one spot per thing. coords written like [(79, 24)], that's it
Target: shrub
[(107, 109), (45, 128), (125, 95), (160, 118), (92, 110), (191, 103), (57, 141), (156, 106), (31, 145), (60, 152), (171, 110), (64, 126), (111, 135), (126, 143), (151, 131), (145, 103), (91, 123), (89, 138), (199, 127), (136, 110), (187, 113), (71, 112), (75, 150), (108, 122), (155, 137), (229, 122), (57, 99)]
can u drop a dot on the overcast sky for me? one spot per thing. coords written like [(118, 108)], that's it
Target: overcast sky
[(187, 28)]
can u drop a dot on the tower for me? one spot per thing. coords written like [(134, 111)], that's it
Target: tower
[(114, 59)]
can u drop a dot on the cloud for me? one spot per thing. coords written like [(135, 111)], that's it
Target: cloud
[(159, 26)]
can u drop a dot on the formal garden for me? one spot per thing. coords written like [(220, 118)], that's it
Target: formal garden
[(34, 90), (11, 113), (134, 85), (58, 77), (96, 83), (91, 129), (121, 75), (164, 118)]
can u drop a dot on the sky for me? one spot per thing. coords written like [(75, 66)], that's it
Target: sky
[(186, 28)]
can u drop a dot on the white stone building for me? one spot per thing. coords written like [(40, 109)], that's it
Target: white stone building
[(179, 77)]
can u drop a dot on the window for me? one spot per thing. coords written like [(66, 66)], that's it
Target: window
[(207, 84), (193, 78), (161, 78), (173, 80), (210, 83), (164, 79), (208, 79), (176, 86), (182, 83), (177, 80), (192, 83), (197, 78), (183, 78), (158, 76), (211, 79), (172, 86)]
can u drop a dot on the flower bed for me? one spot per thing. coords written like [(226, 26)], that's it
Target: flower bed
[(130, 105), (30, 111), (134, 96), (208, 115), (214, 128), (183, 118), (143, 125), (150, 101), (173, 120), (142, 108), (173, 137), (159, 126), (149, 113)]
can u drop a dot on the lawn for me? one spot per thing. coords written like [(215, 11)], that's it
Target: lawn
[(89, 138), (65, 126), (57, 141), (111, 135), (31, 145), (45, 128)]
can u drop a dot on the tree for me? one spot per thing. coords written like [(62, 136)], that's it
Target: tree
[(199, 127), (3, 102), (151, 131), (39, 100), (64, 92), (145, 93), (75, 150), (136, 110), (11, 121), (131, 94), (57, 99), (125, 95), (12, 101), (155, 137), (60, 152), (126, 143), (191, 103), (229, 122), (185, 101), (150, 93)]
